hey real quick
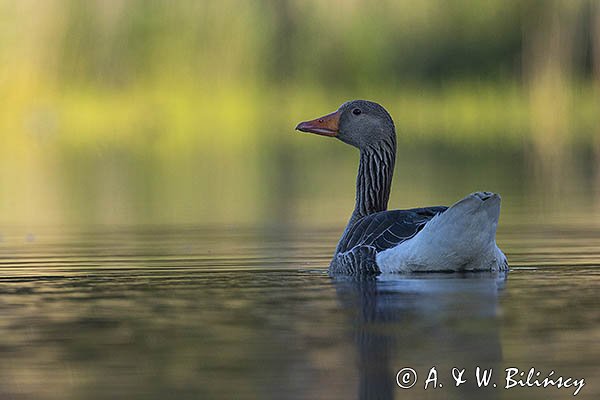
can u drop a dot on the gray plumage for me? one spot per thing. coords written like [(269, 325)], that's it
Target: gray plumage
[(371, 228), (376, 240)]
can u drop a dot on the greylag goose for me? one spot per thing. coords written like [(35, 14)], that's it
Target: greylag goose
[(457, 238)]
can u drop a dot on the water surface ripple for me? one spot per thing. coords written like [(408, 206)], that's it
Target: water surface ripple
[(189, 312)]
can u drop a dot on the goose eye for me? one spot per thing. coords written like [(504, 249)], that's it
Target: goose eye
[(356, 111)]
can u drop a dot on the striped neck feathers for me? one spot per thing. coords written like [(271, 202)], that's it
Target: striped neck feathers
[(374, 179)]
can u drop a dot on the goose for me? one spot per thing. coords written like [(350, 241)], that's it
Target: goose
[(461, 237)]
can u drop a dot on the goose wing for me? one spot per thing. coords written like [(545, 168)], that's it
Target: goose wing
[(387, 229)]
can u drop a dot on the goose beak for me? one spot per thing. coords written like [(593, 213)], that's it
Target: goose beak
[(327, 125)]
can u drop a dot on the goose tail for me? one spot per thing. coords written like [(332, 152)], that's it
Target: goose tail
[(461, 238)]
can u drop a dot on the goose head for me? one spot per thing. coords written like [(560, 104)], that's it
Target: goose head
[(360, 123)]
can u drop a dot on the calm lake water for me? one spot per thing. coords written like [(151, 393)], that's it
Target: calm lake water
[(228, 312)]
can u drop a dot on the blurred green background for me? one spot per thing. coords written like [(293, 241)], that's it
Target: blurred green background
[(162, 112)]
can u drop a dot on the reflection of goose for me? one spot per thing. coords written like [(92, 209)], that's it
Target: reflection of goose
[(420, 321), (462, 237)]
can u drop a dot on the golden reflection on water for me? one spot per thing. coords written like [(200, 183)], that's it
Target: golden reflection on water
[(299, 179), (149, 311)]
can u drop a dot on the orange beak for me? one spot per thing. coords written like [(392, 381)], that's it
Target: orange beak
[(326, 126)]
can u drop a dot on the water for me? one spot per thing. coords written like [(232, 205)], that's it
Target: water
[(187, 312)]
